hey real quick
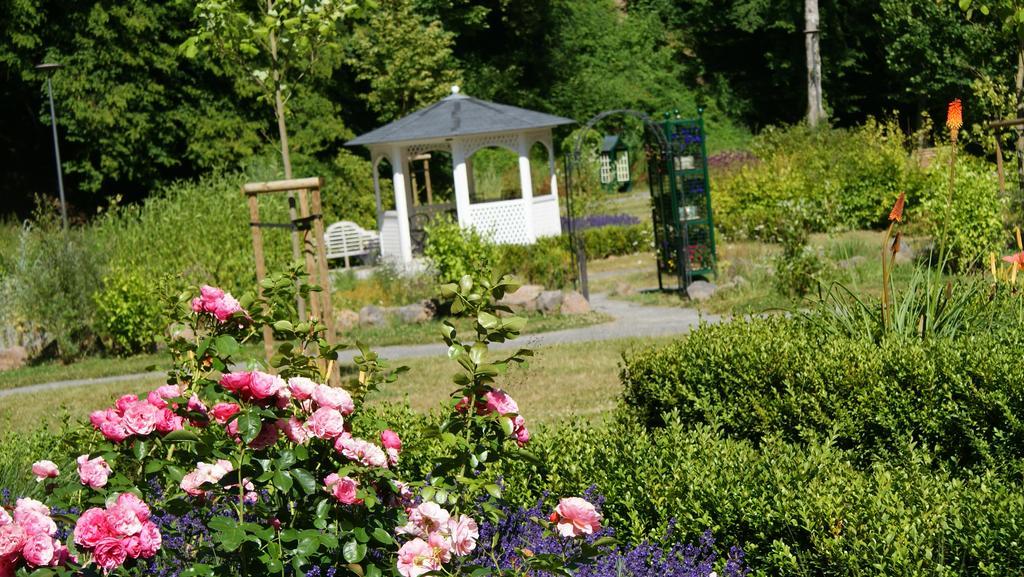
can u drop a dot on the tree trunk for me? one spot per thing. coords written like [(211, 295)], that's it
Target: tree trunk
[(282, 131), (815, 110), (1020, 133)]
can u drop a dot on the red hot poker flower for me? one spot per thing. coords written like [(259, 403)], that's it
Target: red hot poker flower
[(955, 116), (897, 209)]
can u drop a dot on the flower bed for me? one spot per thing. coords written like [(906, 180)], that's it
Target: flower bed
[(247, 472)]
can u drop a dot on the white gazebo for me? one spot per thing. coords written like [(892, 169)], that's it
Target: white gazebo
[(461, 125)]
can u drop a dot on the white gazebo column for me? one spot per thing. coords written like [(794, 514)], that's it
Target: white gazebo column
[(526, 185), (375, 159), (553, 173), (460, 175), (399, 169)]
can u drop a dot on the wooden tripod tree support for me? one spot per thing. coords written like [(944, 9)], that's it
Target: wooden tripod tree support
[(309, 220)]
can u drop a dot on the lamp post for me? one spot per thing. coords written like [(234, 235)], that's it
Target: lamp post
[(48, 68)]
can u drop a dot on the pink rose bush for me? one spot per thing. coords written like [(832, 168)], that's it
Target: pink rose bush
[(277, 466), (27, 539), (117, 533), (131, 417), (437, 536)]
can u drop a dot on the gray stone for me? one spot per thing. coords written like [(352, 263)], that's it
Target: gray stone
[(852, 262), (13, 358), (371, 315), (524, 299), (417, 313), (906, 254), (573, 303), (550, 302), (345, 320), (701, 290)]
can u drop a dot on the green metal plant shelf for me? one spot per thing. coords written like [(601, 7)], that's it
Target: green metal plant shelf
[(684, 230)]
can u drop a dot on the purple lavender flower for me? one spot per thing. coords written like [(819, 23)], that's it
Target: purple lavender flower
[(600, 220)]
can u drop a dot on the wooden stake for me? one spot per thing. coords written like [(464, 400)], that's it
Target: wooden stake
[(261, 272)]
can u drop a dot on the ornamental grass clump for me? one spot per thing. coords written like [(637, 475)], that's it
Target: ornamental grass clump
[(227, 471)]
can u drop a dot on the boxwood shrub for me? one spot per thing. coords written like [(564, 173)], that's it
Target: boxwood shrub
[(776, 377), (796, 509)]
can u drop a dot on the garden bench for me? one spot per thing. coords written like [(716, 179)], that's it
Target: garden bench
[(345, 239)]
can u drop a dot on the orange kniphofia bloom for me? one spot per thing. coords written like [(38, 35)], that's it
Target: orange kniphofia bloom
[(1017, 260), (897, 209), (955, 116)]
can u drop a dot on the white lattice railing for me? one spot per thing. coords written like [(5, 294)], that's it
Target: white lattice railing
[(504, 220)]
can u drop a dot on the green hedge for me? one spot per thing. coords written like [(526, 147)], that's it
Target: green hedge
[(774, 377), (846, 178), (796, 508)]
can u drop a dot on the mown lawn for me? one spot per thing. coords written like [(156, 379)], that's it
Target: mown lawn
[(393, 333), (579, 380), (745, 274)]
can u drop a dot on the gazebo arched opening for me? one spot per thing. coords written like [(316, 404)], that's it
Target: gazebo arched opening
[(497, 182), (493, 175)]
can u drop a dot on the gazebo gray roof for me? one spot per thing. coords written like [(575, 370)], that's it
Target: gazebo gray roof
[(458, 115)]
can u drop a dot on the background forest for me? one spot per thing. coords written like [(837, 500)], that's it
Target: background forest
[(135, 113)]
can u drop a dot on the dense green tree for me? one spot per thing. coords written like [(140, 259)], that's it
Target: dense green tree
[(405, 60), (129, 109)]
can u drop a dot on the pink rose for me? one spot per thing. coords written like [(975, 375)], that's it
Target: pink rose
[(294, 429), (91, 527), (123, 522), (226, 306), (44, 470), (390, 440), (158, 398), (577, 517), (326, 423), (392, 445), (132, 503), (5, 518), (238, 383), (97, 418), (426, 518), (343, 488), (124, 402), (263, 385), (497, 401), (334, 398), (115, 432), (442, 547), (267, 436), (223, 411), (301, 388), (141, 418), (109, 553), (463, 534), (93, 473), (34, 517), (12, 539), (205, 473), (362, 451), (209, 293), (38, 550), (416, 558), (519, 431), (150, 540), (169, 422)]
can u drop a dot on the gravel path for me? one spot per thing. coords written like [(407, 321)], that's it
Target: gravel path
[(630, 320)]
